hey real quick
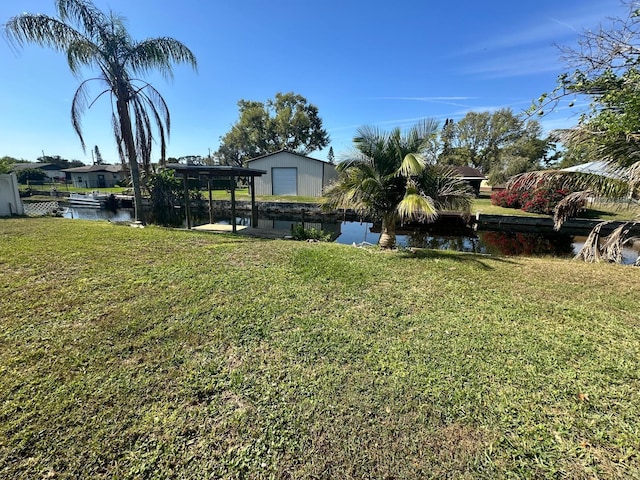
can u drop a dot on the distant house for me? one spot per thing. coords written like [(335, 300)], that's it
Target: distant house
[(290, 173), (95, 176), (51, 170), (472, 176)]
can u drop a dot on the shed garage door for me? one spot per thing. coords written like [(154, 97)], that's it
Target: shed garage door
[(285, 181)]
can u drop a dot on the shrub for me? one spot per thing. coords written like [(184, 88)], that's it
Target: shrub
[(544, 199), (541, 199), (298, 232), (30, 175)]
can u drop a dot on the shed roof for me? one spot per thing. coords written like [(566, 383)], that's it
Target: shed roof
[(284, 150)]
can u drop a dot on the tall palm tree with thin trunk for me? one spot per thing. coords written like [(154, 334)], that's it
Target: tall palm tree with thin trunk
[(390, 178), (100, 41)]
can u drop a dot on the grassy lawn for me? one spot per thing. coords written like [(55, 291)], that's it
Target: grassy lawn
[(157, 353), (243, 194), (602, 210)]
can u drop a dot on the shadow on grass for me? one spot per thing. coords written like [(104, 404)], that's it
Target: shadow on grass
[(591, 214), (463, 257)]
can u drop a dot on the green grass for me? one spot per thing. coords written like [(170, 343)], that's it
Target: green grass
[(243, 194), (70, 188), (157, 353), (601, 210)]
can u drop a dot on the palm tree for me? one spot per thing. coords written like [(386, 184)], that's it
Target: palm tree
[(97, 40), (389, 178)]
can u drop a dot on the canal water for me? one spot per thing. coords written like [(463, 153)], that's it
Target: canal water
[(355, 232)]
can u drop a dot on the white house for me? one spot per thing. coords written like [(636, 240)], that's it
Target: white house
[(95, 176), (290, 173)]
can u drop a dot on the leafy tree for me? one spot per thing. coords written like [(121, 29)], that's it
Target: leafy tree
[(606, 71), (6, 164), (392, 176), (59, 161), (286, 122), (93, 39), (27, 175), (499, 143), (167, 192), (525, 153)]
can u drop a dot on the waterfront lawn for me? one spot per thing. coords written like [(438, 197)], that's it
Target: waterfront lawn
[(603, 210), (157, 353)]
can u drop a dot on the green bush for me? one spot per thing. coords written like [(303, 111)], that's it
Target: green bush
[(298, 232), (31, 175)]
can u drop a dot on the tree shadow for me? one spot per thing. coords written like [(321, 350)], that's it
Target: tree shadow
[(461, 257)]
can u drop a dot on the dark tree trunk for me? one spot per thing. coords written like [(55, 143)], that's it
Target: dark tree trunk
[(130, 147)]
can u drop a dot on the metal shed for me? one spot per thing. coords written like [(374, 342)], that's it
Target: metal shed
[(290, 173)]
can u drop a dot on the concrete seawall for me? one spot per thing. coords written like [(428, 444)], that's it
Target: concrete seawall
[(574, 226)]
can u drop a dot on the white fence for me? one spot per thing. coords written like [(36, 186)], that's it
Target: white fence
[(40, 209)]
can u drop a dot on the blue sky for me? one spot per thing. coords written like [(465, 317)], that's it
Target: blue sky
[(383, 63)]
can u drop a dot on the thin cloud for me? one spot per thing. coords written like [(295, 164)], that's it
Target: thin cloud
[(552, 30), (523, 63), (452, 101), (424, 99)]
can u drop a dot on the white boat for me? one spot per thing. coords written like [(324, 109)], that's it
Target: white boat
[(93, 199)]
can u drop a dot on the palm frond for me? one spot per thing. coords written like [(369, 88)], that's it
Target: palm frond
[(600, 185), (591, 251), (417, 207), (570, 206), (412, 165), (82, 53), (117, 133), (79, 104), (614, 242), (159, 54), (83, 13), (42, 30), (448, 190)]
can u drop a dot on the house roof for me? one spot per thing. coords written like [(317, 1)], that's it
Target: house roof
[(470, 173), (42, 166), (95, 168), (284, 150)]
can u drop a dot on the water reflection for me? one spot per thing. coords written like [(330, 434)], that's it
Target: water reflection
[(518, 243), (355, 232), (120, 215)]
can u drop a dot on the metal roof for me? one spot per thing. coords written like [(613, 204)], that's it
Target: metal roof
[(216, 170), (284, 150), (95, 168)]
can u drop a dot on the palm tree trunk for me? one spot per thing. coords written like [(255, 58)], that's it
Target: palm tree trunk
[(388, 234), (130, 146)]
